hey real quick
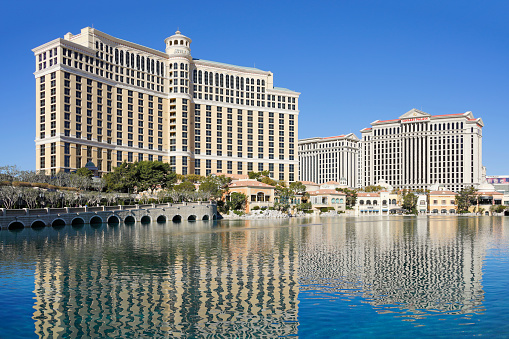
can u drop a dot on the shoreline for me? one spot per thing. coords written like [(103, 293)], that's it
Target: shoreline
[(324, 215)]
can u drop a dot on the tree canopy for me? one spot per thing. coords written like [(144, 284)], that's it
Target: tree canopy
[(258, 175), (373, 188), (410, 202), (140, 176), (351, 196), (215, 186), (465, 198), (297, 187), (237, 201), (84, 172), (185, 186)]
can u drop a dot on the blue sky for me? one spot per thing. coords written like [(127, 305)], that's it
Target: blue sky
[(353, 61)]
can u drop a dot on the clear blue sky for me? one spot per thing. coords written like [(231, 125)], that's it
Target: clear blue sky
[(353, 61)]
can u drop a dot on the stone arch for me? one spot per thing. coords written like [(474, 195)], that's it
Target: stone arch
[(113, 219), (452, 211), (145, 219), (129, 220), (205, 217), (443, 211), (15, 226), (38, 224), (487, 213), (214, 216), (176, 218), (191, 218), (78, 221), (96, 220), (161, 219), (506, 213), (58, 223)]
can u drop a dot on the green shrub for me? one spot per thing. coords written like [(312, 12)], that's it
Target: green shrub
[(255, 208), (308, 211), (239, 213), (264, 208)]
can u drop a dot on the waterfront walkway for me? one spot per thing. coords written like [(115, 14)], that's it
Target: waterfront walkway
[(57, 217)]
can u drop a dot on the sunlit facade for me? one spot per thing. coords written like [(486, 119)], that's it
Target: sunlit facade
[(418, 150), (107, 100)]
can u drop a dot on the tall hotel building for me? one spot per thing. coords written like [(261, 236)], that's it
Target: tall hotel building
[(106, 100), (330, 158), (419, 149)]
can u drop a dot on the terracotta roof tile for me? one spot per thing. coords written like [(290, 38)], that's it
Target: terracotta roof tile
[(337, 136), (249, 183), (309, 183), (445, 115), (332, 182), (233, 176), (387, 120), (326, 192), (442, 193), (368, 195)]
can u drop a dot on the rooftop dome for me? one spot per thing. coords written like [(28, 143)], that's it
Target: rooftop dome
[(485, 187)]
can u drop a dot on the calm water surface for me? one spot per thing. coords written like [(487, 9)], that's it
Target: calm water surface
[(308, 278)]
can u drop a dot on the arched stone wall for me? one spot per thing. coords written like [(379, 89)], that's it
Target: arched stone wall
[(38, 224), (174, 212), (96, 220), (59, 222), (113, 219), (15, 225), (77, 221)]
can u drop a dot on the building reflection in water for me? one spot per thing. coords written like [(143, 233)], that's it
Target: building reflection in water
[(245, 279), (140, 282), (411, 266)]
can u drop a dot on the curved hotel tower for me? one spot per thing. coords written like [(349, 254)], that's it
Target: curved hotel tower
[(330, 159), (107, 100)]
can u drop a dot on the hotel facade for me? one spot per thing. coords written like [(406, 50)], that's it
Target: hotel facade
[(330, 159), (107, 100), (419, 149)]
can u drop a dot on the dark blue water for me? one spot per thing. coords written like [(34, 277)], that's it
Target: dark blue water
[(308, 278)]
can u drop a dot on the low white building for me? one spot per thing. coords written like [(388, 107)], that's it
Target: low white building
[(328, 198), (379, 203), (332, 185), (422, 203), (310, 186)]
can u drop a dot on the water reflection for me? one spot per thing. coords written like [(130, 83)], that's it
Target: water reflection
[(153, 280), (415, 267), (241, 279)]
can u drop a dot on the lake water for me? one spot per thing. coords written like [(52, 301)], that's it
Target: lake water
[(381, 277)]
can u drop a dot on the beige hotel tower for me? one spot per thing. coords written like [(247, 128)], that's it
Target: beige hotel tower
[(107, 100)]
